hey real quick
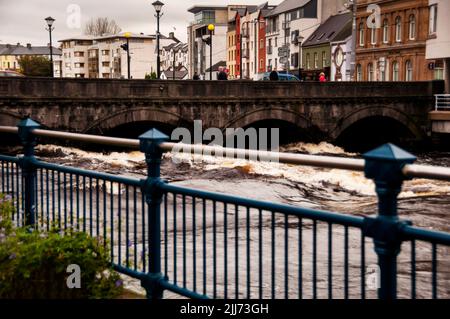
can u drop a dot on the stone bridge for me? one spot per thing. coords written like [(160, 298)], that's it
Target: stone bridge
[(328, 110)]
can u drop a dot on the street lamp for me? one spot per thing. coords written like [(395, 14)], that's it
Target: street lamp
[(158, 6), (300, 56), (211, 28), (126, 47), (50, 21)]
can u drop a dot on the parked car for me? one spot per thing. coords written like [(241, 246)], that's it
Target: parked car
[(281, 77), (10, 73)]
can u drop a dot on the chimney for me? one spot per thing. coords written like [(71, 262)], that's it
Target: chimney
[(171, 35), (18, 44), (29, 46)]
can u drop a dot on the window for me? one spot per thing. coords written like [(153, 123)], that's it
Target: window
[(409, 71), (67, 65), (395, 75), (370, 77), (412, 27), (105, 52), (433, 18), (361, 34), (105, 75), (78, 54), (79, 65), (398, 29), (439, 73), (308, 61), (373, 36), (385, 31), (261, 63), (276, 64), (79, 75), (276, 42), (358, 73), (105, 64), (316, 60), (324, 59)]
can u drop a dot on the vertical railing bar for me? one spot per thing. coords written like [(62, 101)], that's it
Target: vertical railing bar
[(91, 232), (286, 256), (260, 241), (183, 200), (65, 200), (174, 238), (59, 200), (127, 225), (84, 204), (314, 260), (70, 199), (434, 270), (204, 245), (346, 263), (105, 221), (119, 221), (144, 250), (330, 261), (225, 249), (248, 253), (41, 179), (300, 258), (214, 251), (363, 266), (413, 269), (111, 215), (77, 185), (194, 244), (135, 226), (273, 255), (236, 250), (47, 188), (97, 206), (166, 270), (53, 199)]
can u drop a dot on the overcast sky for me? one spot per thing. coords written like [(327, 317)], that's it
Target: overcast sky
[(23, 20)]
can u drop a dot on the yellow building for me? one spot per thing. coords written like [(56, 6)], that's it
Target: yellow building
[(10, 55)]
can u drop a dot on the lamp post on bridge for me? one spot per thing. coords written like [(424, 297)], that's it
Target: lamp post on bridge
[(126, 47), (50, 21), (158, 6), (211, 28)]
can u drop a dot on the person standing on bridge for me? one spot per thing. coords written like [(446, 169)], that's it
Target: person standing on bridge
[(196, 77), (274, 76), (322, 77)]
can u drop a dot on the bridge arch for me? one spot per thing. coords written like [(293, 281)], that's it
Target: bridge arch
[(137, 115), (378, 111), (267, 114)]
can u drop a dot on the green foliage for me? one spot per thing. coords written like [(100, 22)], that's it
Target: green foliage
[(151, 76), (35, 66), (34, 264)]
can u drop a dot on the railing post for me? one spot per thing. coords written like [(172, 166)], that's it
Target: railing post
[(384, 165), (26, 127), (149, 144)]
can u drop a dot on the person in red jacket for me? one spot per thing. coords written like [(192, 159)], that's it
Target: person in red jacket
[(322, 77)]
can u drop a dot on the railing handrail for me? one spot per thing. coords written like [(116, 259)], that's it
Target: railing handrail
[(410, 171)]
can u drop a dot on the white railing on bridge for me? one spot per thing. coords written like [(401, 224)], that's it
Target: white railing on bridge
[(442, 102)]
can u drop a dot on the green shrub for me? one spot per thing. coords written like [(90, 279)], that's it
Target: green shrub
[(33, 264)]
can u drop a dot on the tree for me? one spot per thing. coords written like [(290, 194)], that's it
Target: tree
[(101, 26), (35, 65), (151, 76)]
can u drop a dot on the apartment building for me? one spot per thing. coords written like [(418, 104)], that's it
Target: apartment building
[(10, 55), (103, 57), (174, 57), (317, 54), (289, 24), (395, 49), (438, 42), (198, 34)]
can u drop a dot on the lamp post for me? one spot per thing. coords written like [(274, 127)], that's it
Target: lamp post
[(50, 21), (126, 47), (158, 6), (300, 56), (211, 28)]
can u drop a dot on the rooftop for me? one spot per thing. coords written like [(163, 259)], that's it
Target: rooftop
[(199, 8), (288, 5), (335, 27), (17, 49)]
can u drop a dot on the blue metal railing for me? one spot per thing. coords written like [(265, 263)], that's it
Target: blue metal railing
[(203, 244)]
